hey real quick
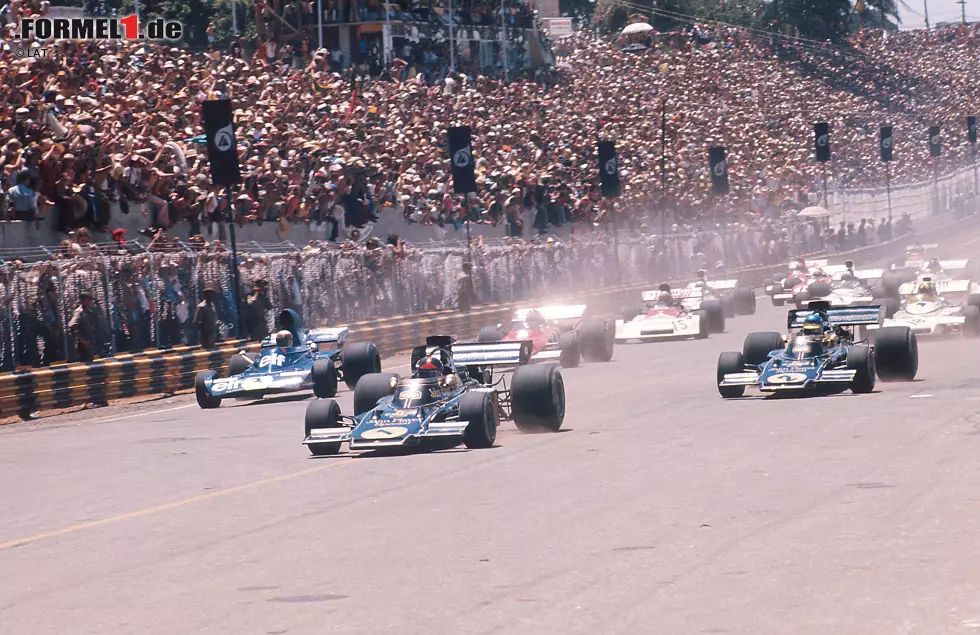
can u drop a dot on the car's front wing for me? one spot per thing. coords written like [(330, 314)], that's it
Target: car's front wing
[(385, 437), (676, 329), (927, 326), (788, 381)]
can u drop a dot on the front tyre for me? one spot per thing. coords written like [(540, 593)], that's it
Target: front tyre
[(896, 353), (205, 399), (597, 340), (324, 378), (716, 315), (570, 347), (489, 334), (757, 346), (537, 398), (372, 388), (861, 360), (239, 363), (479, 411), (971, 321), (322, 413), (744, 299), (729, 363)]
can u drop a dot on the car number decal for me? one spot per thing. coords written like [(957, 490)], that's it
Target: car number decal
[(787, 378), (384, 433)]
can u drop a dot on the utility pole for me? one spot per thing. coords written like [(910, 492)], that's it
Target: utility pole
[(962, 4), (925, 3)]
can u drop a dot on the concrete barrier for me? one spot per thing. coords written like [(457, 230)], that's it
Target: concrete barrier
[(169, 371)]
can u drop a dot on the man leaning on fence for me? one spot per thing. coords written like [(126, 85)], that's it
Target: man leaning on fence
[(86, 327), (206, 319)]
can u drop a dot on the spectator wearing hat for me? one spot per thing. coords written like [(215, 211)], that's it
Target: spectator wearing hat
[(206, 319), (86, 327), (464, 288)]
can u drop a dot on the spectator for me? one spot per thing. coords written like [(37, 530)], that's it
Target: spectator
[(206, 319), (257, 308), (23, 200), (86, 326)]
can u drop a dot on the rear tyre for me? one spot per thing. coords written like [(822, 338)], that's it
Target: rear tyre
[(537, 398), (479, 410), (861, 360), (372, 388), (896, 353), (801, 299), (324, 378), (322, 413), (744, 301), (359, 359), (205, 399), (716, 315), (239, 363), (489, 334), (971, 323), (974, 300), (757, 346), (727, 306), (819, 290), (777, 301), (571, 350), (597, 337), (730, 362)]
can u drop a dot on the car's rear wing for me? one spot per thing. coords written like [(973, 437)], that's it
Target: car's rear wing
[(492, 353), (839, 316), (810, 264), (564, 315), (953, 265), (942, 286), (687, 293), (918, 247), (328, 335), (716, 285)]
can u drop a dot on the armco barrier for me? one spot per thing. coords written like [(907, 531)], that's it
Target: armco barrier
[(169, 371)]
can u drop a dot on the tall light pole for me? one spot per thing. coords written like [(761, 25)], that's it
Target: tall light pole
[(234, 18), (319, 23), (503, 36), (925, 3), (452, 39)]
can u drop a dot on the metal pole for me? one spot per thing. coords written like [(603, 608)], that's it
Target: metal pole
[(888, 192), (108, 302), (136, 9), (469, 245), (663, 169), (976, 183), (234, 17), (962, 4), (823, 167), (155, 298), (388, 40), (452, 39), (503, 36), (236, 280), (724, 241), (611, 206), (319, 23), (925, 3)]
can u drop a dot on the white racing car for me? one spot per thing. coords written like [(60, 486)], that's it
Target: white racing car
[(664, 316), (926, 312), (735, 300)]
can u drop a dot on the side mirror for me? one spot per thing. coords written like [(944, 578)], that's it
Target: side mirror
[(393, 383), (450, 381)]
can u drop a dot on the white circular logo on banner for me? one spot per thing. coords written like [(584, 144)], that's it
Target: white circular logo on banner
[(224, 139), (462, 157), (611, 166), (936, 140), (721, 168), (822, 140), (886, 142)]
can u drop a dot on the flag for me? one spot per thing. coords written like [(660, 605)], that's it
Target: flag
[(353, 98)]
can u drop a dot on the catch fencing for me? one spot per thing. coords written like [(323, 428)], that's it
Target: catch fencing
[(147, 300)]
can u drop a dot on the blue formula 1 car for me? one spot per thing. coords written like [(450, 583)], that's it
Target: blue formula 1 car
[(450, 398), (826, 352), (291, 360)]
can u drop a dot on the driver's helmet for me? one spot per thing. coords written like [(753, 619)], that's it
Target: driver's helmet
[(819, 273), (800, 265), (284, 339), (933, 266), (534, 320), (665, 298), (429, 366), (702, 274), (927, 291), (814, 327), (847, 276), (701, 284)]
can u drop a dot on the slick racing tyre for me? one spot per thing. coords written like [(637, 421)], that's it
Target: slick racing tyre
[(789, 283), (359, 359), (777, 301), (322, 413), (861, 360), (801, 299), (570, 347), (819, 290), (716, 315), (324, 378), (204, 398), (974, 300), (757, 346), (727, 306), (372, 388), (728, 363), (537, 398), (479, 411), (971, 321), (489, 334), (744, 300), (239, 363), (597, 337), (896, 353)]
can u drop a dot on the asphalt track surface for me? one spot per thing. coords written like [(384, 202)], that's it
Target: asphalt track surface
[(659, 508)]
